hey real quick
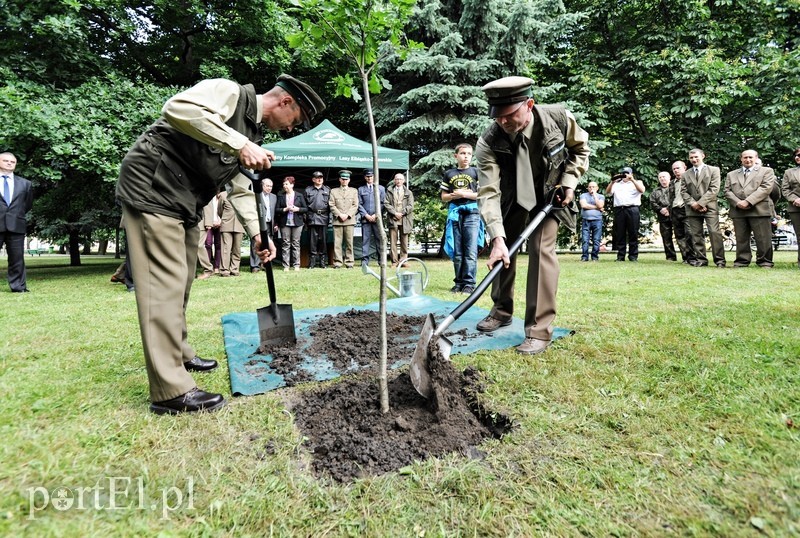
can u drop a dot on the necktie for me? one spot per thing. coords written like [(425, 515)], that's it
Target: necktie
[(696, 172), (267, 208), (746, 171), (526, 195), (6, 191)]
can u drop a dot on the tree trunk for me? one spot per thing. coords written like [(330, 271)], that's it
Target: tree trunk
[(74, 249), (382, 363)]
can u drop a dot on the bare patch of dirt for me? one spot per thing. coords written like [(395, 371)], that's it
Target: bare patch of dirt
[(348, 435)]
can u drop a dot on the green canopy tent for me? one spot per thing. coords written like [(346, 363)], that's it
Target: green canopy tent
[(328, 149)]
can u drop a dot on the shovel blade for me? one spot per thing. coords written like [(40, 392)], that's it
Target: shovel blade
[(276, 326), (420, 368)]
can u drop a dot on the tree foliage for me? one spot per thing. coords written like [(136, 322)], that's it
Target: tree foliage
[(437, 102), (71, 144), (662, 77)]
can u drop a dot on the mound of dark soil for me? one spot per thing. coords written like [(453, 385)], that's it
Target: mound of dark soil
[(349, 436), (350, 340)]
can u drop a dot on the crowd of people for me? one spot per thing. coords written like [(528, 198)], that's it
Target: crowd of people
[(292, 214), (687, 206), (182, 180)]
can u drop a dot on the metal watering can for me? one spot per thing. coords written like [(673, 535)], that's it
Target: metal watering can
[(410, 282)]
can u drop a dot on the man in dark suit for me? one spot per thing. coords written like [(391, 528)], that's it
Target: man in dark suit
[(748, 190), (16, 201), (268, 203), (368, 211), (699, 187)]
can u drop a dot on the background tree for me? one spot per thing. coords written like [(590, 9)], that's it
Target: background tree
[(71, 144), (436, 101), (663, 77)]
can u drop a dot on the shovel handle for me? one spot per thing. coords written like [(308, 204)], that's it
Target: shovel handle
[(256, 178), (481, 287)]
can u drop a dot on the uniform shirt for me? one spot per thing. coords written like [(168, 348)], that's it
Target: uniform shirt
[(201, 112)]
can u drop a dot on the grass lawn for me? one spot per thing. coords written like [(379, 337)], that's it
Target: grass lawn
[(669, 412)]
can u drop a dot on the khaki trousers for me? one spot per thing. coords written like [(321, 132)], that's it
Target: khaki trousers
[(202, 253), (231, 252), (542, 278), (343, 234), (395, 234), (163, 257)]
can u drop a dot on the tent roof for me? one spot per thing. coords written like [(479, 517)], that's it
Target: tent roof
[(326, 146)]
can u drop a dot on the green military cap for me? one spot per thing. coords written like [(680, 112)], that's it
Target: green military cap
[(344, 174), (310, 103), (506, 91)]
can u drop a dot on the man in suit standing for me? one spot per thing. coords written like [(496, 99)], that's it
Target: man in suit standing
[(790, 188), (231, 232), (748, 189), (400, 208), (344, 206), (268, 203), (660, 201), (678, 214), (17, 200), (368, 211), (699, 187)]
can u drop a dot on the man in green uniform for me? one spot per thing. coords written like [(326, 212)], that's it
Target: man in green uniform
[(172, 171), (526, 151)]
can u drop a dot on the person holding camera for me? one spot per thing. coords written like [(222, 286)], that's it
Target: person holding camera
[(627, 192)]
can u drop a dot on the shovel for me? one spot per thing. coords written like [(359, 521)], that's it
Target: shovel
[(433, 337), (276, 321)]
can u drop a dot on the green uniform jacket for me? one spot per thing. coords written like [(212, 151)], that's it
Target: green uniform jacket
[(754, 188), (790, 188), (565, 158), (170, 173)]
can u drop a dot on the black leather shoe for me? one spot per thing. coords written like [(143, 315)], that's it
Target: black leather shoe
[(192, 402), (198, 364)]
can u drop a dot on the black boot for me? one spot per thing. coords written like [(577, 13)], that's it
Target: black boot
[(323, 262), (312, 261)]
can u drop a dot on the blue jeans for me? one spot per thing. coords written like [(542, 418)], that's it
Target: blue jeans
[(465, 248), (591, 229)]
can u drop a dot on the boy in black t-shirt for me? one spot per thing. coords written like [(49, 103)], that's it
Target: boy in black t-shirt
[(460, 190)]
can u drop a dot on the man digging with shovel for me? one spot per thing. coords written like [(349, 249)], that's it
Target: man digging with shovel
[(172, 171), (527, 151)]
